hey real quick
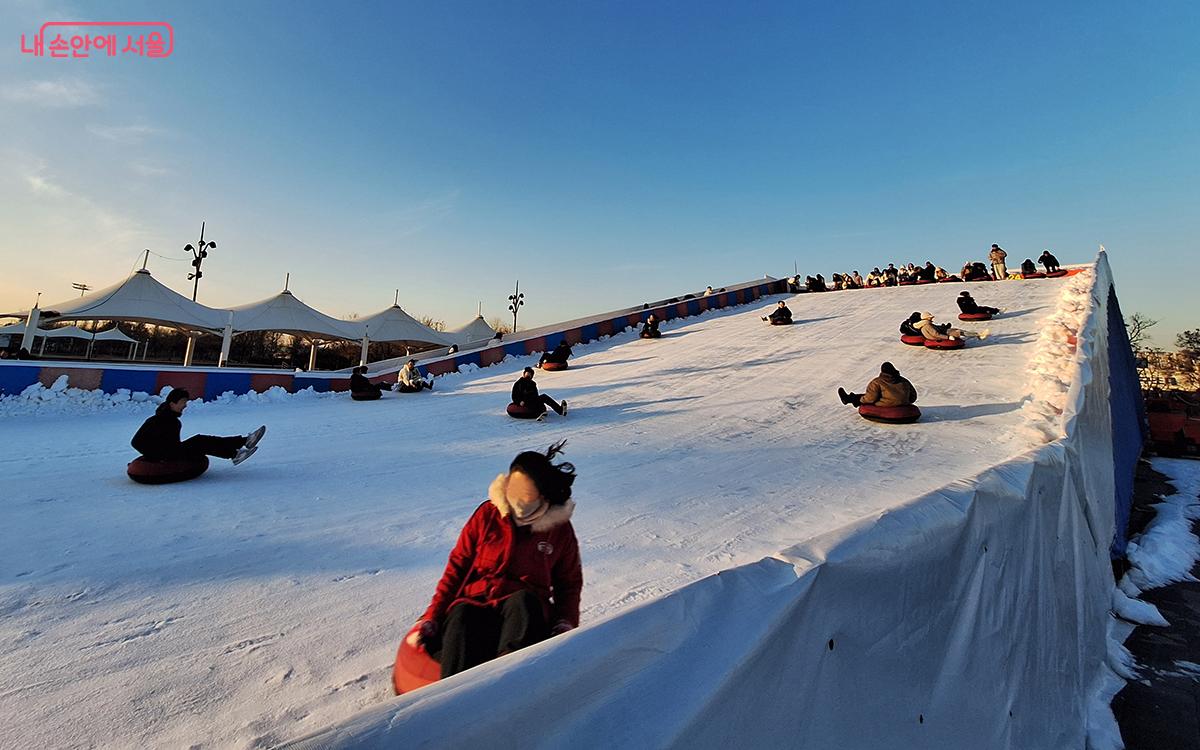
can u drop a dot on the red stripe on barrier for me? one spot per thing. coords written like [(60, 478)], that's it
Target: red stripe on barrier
[(573, 336), (88, 380), (192, 381), (535, 345), (441, 368), (262, 382), (491, 356)]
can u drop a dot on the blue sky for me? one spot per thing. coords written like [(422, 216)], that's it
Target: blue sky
[(604, 153)]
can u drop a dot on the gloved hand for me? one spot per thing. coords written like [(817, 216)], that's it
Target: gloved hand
[(428, 633), (562, 627)]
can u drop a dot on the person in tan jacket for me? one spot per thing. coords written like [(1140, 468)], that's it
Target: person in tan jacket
[(888, 389), (997, 255), (938, 333)]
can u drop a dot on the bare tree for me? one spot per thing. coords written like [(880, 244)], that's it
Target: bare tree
[(499, 326), (1189, 342), (1139, 326), (429, 322)]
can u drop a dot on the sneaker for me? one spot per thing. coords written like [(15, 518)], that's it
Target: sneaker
[(431, 384), (541, 417), (984, 333), (243, 453), (253, 438), (564, 408), (845, 397)]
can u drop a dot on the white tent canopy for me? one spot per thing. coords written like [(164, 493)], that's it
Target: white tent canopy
[(115, 334), (393, 324), (138, 298), (283, 313), (66, 332), (13, 329), (476, 330)]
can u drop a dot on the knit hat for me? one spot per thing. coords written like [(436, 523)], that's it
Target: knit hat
[(887, 368)]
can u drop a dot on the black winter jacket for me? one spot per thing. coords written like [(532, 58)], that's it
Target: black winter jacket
[(159, 435), (525, 391)]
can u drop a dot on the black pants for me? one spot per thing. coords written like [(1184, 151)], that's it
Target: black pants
[(541, 404), (476, 633), (404, 388), (202, 445), (855, 399)]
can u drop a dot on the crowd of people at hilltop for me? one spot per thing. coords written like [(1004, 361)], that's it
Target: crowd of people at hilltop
[(906, 274)]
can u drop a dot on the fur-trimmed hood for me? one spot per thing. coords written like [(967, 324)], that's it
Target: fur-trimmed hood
[(555, 515)]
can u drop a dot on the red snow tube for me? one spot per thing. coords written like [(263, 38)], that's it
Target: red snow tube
[(144, 471), (780, 321), (890, 414), (366, 395), (554, 366), (974, 316), (907, 283), (912, 340), (1038, 275), (927, 281), (415, 668), (1056, 274), (949, 280), (980, 278), (945, 344), (520, 411)]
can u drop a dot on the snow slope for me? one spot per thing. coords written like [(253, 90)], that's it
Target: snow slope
[(263, 602)]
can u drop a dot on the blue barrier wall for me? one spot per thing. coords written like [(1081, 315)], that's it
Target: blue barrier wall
[(1128, 418)]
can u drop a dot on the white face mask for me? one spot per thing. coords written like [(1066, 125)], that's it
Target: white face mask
[(525, 515)]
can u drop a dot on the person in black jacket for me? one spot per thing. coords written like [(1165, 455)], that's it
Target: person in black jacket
[(525, 393), (560, 355), (968, 306), (158, 437), (1048, 260), (650, 328), (908, 327), (780, 315), (360, 385), (1027, 267)]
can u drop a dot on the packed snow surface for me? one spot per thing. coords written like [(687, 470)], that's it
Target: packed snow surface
[(265, 601)]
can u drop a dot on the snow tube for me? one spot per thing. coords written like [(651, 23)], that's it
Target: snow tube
[(949, 280), (1056, 274), (927, 281), (980, 278), (144, 471), (523, 412), (974, 316), (890, 414), (366, 395), (415, 668), (907, 283), (1038, 275), (912, 340), (779, 322), (554, 366), (945, 344), (654, 335)]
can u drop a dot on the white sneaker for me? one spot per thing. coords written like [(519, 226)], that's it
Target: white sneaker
[(243, 453), (541, 417), (253, 438), (984, 334)]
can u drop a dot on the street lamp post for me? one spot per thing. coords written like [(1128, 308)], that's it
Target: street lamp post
[(515, 301), (199, 253)]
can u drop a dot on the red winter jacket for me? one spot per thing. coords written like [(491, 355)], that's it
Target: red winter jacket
[(494, 558)]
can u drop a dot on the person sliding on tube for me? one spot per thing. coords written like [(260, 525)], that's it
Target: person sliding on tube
[(650, 328), (158, 437), (909, 327), (525, 393), (514, 577), (560, 355), (968, 306), (360, 385), (1027, 267), (888, 389), (1048, 261), (940, 333), (780, 315), (409, 379)]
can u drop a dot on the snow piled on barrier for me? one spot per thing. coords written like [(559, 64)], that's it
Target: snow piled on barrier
[(58, 399), (1052, 368)]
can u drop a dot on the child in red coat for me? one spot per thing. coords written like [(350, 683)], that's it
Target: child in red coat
[(514, 576)]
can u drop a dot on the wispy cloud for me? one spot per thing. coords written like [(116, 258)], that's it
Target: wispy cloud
[(143, 169), (412, 219), (60, 94), (124, 133), (40, 185)]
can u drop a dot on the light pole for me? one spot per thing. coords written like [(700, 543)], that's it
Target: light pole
[(199, 253), (515, 301), (81, 288)]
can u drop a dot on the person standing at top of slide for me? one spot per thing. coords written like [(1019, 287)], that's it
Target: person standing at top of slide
[(997, 256)]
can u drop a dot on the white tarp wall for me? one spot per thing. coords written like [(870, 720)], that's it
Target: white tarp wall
[(971, 617)]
